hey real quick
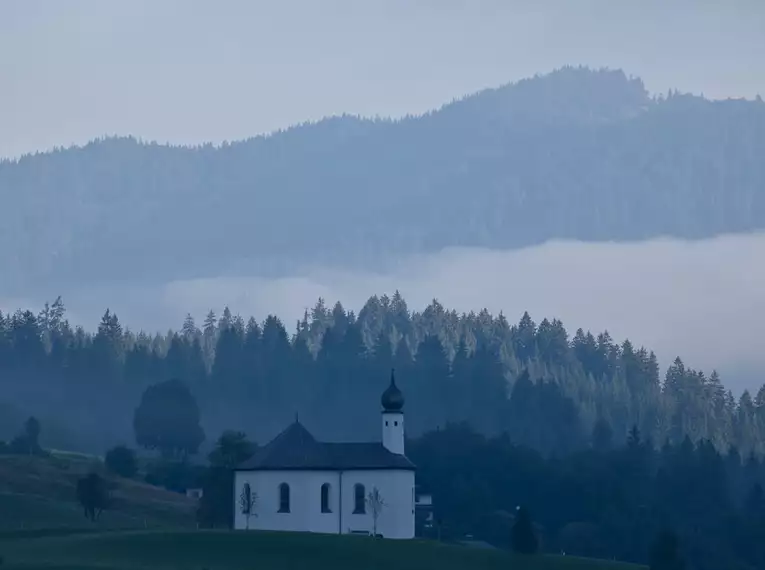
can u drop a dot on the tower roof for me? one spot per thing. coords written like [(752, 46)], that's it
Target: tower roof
[(392, 399)]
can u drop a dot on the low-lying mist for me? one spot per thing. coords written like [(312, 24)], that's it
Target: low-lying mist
[(702, 300)]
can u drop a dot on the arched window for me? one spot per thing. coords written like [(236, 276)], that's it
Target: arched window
[(325, 488), (284, 498), (359, 499)]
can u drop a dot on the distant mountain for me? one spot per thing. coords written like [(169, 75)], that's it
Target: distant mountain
[(577, 153)]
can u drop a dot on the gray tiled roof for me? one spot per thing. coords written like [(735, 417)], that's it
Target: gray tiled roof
[(296, 448)]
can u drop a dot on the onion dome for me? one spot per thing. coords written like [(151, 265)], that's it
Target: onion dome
[(392, 399)]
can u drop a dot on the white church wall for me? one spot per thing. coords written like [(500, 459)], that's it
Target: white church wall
[(396, 519), (396, 487), (305, 501)]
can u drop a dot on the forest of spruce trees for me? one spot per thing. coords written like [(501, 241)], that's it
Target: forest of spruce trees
[(544, 387)]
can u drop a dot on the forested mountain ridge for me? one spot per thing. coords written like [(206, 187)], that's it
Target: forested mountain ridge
[(577, 153)]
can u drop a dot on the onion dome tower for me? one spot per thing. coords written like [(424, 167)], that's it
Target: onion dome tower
[(392, 401)]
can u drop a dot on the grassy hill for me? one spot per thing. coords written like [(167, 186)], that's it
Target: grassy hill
[(39, 493), (218, 550), (42, 526)]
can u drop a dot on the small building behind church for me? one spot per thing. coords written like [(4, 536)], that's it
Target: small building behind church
[(296, 483)]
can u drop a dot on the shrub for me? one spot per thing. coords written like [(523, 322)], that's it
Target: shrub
[(177, 476), (121, 460)]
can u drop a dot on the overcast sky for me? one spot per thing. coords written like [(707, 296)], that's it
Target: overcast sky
[(193, 70)]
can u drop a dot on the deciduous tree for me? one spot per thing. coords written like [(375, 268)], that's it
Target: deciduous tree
[(168, 420)]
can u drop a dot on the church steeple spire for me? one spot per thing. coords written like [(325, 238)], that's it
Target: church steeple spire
[(393, 417)]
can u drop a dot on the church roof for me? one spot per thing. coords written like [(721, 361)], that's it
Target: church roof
[(296, 449)]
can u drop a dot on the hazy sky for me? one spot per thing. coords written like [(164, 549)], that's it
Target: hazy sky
[(193, 70)]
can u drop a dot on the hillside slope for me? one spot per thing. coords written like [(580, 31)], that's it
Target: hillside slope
[(40, 493), (574, 154), (267, 551)]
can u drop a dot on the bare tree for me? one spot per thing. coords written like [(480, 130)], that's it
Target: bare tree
[(376, 504), (248, 502)]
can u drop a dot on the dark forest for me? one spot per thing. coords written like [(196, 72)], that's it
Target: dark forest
[(331, 368), (585, 432)]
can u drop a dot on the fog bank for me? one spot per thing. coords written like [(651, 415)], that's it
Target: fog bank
[(701, 300)]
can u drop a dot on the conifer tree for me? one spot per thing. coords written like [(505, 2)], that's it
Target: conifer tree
[(524, 539)]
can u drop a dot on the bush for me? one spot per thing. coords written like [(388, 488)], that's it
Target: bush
[(121, 460), (28, 442), (177, 476), (20, 446), (665, 552)]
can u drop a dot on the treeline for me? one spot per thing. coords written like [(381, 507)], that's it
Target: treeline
[(545, 388), (606, 502)]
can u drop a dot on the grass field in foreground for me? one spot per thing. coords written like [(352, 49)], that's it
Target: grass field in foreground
[(226, 550)]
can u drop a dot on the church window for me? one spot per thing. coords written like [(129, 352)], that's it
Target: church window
[(325, 488), (284, 498), (386, 422), (359, 499), (395, 423)]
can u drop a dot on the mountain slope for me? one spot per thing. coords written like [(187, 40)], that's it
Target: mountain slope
[(574, 154)]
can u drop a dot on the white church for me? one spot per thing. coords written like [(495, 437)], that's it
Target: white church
[(296, 483)]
